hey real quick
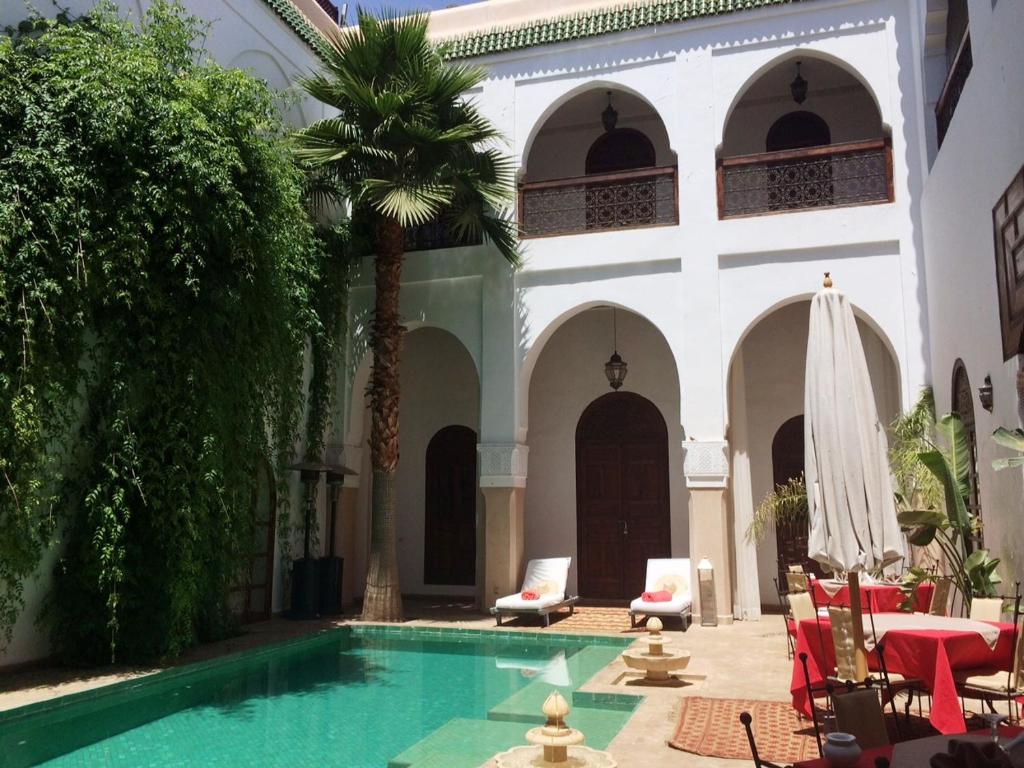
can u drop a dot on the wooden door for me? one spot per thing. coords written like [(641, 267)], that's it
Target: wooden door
[(622, 503), (787, 464), (449, 541), (251, 596)]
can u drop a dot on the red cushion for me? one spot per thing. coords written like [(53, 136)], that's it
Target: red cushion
[(530, 595), (663, 596)]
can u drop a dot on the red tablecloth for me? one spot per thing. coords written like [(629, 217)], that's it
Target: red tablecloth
[(876, 598), (926, 654)]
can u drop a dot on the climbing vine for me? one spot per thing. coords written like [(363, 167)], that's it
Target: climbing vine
[(158, 272)]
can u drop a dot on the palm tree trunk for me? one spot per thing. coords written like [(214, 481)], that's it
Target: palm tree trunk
[(383, 598)]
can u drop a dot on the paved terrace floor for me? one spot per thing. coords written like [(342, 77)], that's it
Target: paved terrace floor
[(744, 660)]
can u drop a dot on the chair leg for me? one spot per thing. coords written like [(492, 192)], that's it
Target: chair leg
[(632, 620), (497, 618), (547, 619)]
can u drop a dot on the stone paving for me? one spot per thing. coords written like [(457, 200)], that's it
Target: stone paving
[(744, 660)]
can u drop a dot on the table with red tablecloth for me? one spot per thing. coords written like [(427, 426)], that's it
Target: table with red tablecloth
[(928, 745), (876, 598), (929, 655)]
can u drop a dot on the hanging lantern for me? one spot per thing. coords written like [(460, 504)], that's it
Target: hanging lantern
[(610, 117), (615, 369), (798, 87)]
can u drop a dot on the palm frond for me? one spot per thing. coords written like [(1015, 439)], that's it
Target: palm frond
[(785, 503), (408, 202)]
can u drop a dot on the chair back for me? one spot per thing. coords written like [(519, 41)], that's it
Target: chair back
[(844, 642), (796, 582), (859, 712), (670, 574), (986, 609), (802, 607), (940, 596), (547, 575)]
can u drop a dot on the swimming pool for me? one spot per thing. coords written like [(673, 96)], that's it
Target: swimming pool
[(355, 696)]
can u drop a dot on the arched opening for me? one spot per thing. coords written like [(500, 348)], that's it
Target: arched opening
[(618, 139), (449, 501), (620, 149), (251, 597), (622, 494), (567, 379), (788, 464), (766, 403), (834, 143), (441, 388), (963, 406), (797, 130)]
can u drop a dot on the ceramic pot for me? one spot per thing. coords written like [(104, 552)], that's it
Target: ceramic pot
[(841, 750)]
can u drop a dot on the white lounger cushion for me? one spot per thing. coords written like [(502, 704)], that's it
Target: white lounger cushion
[(660, 571), (516, 603), (548, 576), (668, 608)]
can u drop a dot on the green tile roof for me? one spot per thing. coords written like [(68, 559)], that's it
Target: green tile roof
[(302, 26), (557, 29), (592, 23)]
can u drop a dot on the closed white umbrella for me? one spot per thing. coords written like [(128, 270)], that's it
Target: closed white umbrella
[(853, 525)]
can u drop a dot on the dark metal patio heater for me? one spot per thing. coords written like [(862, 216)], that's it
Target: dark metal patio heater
[(308, 594)]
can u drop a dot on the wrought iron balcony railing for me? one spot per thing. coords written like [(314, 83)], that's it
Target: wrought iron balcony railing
[(856, 173), (431, 236), (956, 78), (598, 203)]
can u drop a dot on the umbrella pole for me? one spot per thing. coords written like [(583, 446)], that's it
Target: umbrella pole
[(859, 648)]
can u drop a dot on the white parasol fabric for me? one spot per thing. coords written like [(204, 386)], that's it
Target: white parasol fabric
[(853, 524)]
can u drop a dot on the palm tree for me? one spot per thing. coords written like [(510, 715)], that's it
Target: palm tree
[(405, 147)]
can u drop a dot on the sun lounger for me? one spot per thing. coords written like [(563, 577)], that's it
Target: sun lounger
[(546, 577), (666, 575)]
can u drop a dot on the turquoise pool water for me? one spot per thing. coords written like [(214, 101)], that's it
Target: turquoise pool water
[(360, 696)]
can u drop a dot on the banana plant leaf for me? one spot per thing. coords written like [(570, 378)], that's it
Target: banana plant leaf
[(1013, 440)]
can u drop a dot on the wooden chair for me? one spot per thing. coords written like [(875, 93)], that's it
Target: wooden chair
[(745, 718), (795, 568), (988, 686), (787, 615), (940, 596), (858, 710), (797, 582)]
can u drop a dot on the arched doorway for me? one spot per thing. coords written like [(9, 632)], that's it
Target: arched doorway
[(788, 464), (449, 540), (622, 494)]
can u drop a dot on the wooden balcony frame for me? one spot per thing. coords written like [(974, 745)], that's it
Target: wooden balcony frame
[(637, 174), (949, 86), (831, 150)]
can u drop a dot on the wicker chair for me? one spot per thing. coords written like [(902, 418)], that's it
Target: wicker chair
[(940, 596), (988, 686)]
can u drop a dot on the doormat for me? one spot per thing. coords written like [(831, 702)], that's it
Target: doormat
[(712, 727)]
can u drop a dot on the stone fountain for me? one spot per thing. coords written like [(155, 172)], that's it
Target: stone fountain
[(649, 656), (555, 744)]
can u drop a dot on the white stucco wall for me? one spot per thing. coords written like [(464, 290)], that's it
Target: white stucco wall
[(982, 151), (569, 376)]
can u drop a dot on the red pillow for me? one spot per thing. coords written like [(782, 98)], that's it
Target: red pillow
[(529, 594), (663, 596)]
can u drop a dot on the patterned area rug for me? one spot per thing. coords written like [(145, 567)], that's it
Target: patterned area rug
[(712, 727)]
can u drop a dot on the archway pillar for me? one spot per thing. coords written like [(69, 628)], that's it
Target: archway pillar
[(503, 484), (706, 465)]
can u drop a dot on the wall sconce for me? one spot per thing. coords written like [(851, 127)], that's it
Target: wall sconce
[(985, 394)]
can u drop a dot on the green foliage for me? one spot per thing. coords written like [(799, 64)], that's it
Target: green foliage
[(157, 267), (1013, 440), (406, 145), (911, 434), (783, 503)]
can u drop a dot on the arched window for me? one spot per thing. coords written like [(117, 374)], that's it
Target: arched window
[(797, 130), (963, 406), (622, 149)]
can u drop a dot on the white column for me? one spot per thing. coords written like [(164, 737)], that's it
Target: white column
[(747, 595), (707, 473)]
